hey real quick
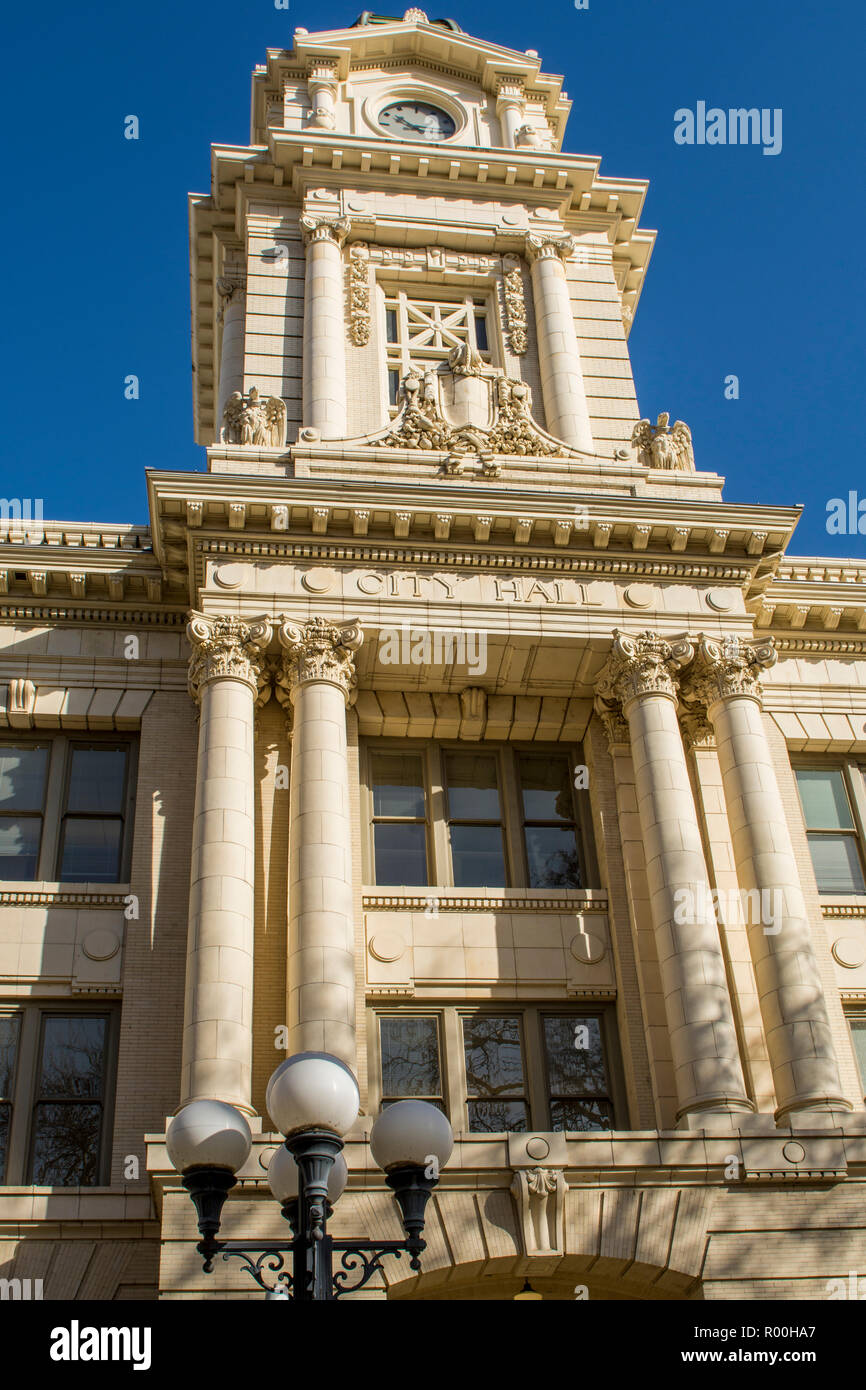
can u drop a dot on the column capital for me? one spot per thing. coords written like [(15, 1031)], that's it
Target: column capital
[(318, 651), (334, 230), (541, 246), (698, 732), (228, 647), (723, 669), (510, 90), (615, 724), (641, 665)]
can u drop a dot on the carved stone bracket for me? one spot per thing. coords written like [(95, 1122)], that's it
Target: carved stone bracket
[(641, 665), (540, 1197), (515, 305), (615, 723), (228, 647), (722, 669), (318, 651), (359, 293)]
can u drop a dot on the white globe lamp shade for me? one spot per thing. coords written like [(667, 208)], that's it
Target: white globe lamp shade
[(313, 1090), (283, 1177), (411, 1132), (208, 1134)]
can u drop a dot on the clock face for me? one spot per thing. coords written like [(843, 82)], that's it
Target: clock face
[(416, 120)]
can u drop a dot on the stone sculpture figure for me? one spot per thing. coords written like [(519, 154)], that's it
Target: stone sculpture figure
[(254, 419), (662, 447)]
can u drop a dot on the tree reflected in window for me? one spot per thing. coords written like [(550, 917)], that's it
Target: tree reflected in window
[(410, 1059), (68, 1114), (495, 1083)]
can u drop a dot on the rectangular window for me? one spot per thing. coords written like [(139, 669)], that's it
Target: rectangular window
[(857, 1024), (9, 1030), (23, 776), (830, 829), (549, 827), (56, 1094), (410, 1059), (421, 332), (399, 819), (495, 1084), (65, 809), (475, 820), (577, 1082), (69, 1101)]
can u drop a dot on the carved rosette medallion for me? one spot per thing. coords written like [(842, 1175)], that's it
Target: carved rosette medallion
[(229, 648), (641, 665), (721, 670), (318, 651)]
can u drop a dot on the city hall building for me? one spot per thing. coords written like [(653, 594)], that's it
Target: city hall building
[(453, 722)]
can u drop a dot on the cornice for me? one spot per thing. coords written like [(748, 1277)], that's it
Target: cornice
[(123, 617), (449, 900), (48, 896)]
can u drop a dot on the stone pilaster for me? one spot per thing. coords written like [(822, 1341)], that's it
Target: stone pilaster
[(232, 291), (318, 679), (562, 385), (640, 677), (510, 106), (226, 678), (725, 679), (324, 386)]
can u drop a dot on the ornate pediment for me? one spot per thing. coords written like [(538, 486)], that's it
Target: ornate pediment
[(467, 409)]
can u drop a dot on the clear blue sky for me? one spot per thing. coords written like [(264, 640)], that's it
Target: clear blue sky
[(756, 271)]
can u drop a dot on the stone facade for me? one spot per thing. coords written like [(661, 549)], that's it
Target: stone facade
[(434, 524)]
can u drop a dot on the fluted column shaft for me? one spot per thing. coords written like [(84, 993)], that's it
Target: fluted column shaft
[(640, 677), (565, 407), (318, 679), (218, 1008), (324, 386), (790, 990)]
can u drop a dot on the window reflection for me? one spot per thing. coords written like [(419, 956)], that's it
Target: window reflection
[(67, 1117), (494, 1073)]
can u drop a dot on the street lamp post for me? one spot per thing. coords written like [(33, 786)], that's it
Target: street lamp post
[(313, 1100)]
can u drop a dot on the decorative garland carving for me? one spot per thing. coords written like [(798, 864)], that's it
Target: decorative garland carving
[(228, 647), (422, 423), (359, 293), (515, 306)]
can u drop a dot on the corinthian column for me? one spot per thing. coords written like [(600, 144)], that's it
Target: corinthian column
[(225, 676), (318, 679), (800, 1043), (562, 386), (324, 327), (640, 677)]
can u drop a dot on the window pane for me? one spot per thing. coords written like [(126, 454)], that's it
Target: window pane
[(546, 787), (8, 1052), (825, 801), (473, 790), (494, 1116), (481, 332), (393, 387), (96, 781), (73, 1057), (477, 856), (551, 856), (391, 325), (575, 1058), (19, 846), (581, 1114), (400, 852), (22, 777), (836, 863), (91, 850), (858, 1035), (66, 1145), (398, 785), (410, 1057), (494, 1065)]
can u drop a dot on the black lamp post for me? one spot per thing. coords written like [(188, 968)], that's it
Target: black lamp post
[(313, 1099)]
